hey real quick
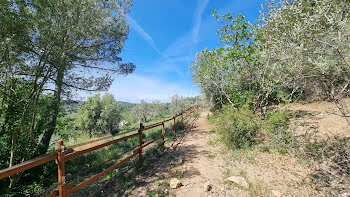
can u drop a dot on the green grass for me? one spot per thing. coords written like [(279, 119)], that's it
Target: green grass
[(84, 166)]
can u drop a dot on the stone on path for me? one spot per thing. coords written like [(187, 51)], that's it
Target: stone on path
[(207, 186), (239, 181), (276, 193), (175, 183)]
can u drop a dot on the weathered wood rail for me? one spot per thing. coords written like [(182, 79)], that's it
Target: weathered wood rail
[(64, 154)]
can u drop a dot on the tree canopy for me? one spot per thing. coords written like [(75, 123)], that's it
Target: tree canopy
[(296, 50), (49, 50)]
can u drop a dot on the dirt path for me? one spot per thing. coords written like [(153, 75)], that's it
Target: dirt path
[(192, 161), (199, 167)]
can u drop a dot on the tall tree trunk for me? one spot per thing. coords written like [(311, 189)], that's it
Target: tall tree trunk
[(45, 140)]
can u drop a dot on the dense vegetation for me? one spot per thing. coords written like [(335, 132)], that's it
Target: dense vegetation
[(296, 50), (100, 116), (80, 121), (48, 50)]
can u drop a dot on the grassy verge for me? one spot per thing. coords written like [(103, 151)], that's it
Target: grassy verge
[(84, 166)]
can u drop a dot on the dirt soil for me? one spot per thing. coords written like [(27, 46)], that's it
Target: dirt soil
[(194, 161), (321, 119)]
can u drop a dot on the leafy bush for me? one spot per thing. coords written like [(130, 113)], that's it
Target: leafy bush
[(242, 128), (238, 128), (276, 130)]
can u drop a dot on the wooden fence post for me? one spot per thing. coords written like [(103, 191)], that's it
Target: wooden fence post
[(182, 119), (163, 131), (174, 126), (61, 171), (141, 142)]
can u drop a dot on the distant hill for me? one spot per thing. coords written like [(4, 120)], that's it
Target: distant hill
[(125, 106)]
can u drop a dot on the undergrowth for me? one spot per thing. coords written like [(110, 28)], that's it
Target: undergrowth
[(87, 165), (243, 128), (332, 156)]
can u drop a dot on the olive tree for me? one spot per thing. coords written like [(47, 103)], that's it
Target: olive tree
[(307, 41), (177, 104), (142, 110)]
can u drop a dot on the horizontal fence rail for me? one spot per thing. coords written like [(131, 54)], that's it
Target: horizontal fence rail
[(64, 154)]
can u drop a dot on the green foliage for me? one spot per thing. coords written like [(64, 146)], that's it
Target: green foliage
[(178, 103), (278, 120), (234, 73), (89, 114), (278, 135), (125, 106), (99, 116), (142, 110), (46, 51), (238, 128), (242, 128), (110, 115), (314, 61), (297, 50)]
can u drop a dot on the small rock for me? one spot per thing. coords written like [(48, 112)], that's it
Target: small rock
[(175, 183), (166, 191), (207, 186), (156, 195), (239, 181), (276, 193), (301, 149)]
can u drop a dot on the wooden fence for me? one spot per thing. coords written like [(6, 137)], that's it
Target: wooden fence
[(64, 154)]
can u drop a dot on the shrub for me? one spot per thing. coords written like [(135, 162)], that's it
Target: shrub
[(242, 128), (238, 128), (276, 126)]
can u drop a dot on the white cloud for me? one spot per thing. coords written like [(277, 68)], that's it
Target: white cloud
[(135, 87), (142, 33), (184, 45), (201, 5), (182, 49)]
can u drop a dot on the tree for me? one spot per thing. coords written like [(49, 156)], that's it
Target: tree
[(308, 42), (53, 47), (81, 36), (158, 109), (178, 103), (89, 114), (231, 74), (110, 115), (142, 110)]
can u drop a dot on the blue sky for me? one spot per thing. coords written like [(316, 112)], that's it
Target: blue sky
[(163, 40)]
